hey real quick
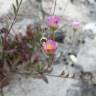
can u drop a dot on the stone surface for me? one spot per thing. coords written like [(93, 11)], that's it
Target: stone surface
[(5, 6), (84, 10), (87, 56), (89, 30), (56, 87)]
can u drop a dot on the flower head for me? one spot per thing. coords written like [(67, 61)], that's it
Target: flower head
[(75, 24), (50, 46), (53, 22)]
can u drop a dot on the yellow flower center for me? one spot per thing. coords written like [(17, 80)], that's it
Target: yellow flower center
[(49, 46)]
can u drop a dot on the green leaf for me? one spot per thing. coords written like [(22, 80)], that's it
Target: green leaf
[(7, 24), (17, 3), (39, 68), (14, 9)]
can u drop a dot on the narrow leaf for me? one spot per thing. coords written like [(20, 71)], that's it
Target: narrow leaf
[(39, 68), (62, 73), (44, 78), (7, 24), (17, 3), (14, 9)]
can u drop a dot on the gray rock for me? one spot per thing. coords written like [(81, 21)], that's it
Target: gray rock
[(87, 56), (73, 92), (84, 10), (89, 30)]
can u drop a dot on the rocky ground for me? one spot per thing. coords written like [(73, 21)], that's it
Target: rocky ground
[(86, 58)]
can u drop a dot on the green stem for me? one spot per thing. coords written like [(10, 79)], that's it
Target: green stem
[(54, 35), (14, 20), (51, 60)]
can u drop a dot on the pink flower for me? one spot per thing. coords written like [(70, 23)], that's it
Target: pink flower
[(50, 46), (75, 24), (53, 22)]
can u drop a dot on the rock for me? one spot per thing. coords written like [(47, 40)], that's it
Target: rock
[(88, 90), (60, 87), (73, 59), (87, 56), (84, 10), (73, 92), (5, 6), (21, 26), (89, 30)]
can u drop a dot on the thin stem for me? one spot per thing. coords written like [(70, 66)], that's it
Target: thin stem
[(3, 54), (15, 17), (53, 35), (51, 75)]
